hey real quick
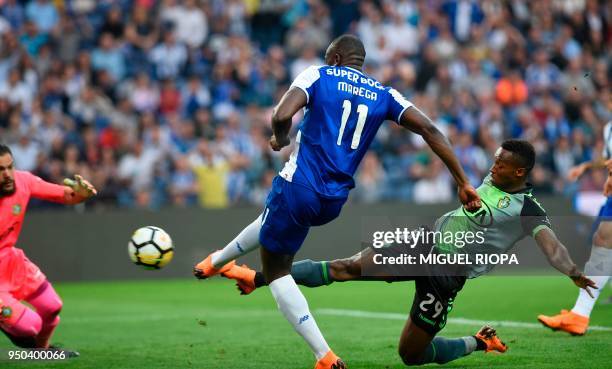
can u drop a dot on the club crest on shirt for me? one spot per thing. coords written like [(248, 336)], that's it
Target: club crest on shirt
[(503, 203), (5, 312), (16, 209)]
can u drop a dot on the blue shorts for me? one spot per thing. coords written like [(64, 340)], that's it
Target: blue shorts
[(605, 215), (606, 209), (291, 209)]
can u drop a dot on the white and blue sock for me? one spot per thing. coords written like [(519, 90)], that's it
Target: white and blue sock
[(600, 263), (293, 305), (246, 241)]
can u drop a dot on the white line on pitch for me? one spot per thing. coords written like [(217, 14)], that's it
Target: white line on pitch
[(458, 321), (203, 314)]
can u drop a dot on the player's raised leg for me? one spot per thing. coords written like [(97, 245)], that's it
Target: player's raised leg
[(221, 261), (311, 273)]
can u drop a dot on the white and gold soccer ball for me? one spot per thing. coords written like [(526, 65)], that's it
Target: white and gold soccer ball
[(151, 247)]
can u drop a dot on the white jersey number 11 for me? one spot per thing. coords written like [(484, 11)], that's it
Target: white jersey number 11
[(362, 111)]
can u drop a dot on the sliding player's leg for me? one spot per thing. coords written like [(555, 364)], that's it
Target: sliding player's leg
[(220, 261), (419, 347), (313, 273), (433, 300), (305, 272)]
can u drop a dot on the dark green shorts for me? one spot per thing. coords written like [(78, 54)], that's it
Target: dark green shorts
[(433, 300)]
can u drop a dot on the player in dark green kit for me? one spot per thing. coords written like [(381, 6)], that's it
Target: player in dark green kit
[(509, 213)]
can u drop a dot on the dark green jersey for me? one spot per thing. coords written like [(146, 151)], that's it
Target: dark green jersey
[(503, 220)]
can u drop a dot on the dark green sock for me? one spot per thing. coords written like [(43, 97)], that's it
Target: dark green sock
[(305, 272), (311, 273), (442, 350)]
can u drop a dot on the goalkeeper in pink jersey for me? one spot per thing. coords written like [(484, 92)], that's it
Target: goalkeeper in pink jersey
[(20, 279)]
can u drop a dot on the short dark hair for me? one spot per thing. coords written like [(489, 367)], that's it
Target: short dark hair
[(348, 44), (5, 150), (523, 151)]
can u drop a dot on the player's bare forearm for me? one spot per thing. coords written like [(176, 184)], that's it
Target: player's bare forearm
[(282, 115), (577, 171), (595, 164), (559, 258), (556, 253), (417, 122)]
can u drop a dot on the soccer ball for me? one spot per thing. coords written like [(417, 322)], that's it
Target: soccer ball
[(151, 247)]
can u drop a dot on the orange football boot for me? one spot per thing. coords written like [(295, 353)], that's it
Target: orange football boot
[(566, 321), (205, 269), (244, 277), (330, 361), (490, 338)]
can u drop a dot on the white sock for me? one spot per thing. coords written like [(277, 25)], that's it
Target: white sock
[(294, 307), (600, 262), (245, 242), (470, 344)]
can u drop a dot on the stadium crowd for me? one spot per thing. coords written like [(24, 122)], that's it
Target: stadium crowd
[(169, 102)]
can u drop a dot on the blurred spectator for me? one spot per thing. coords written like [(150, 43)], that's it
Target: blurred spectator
[(370, 181), (13, 13), (136, 170), (307, 57), (188, 21), (168, 57), (31, 39), (113, 23), (17, 91), (542, 76), (108, 57), (462, 14), (432, 187), (511, 90), (211, 170), (194, 96), (183, 187), (25, 153), (43, 13)]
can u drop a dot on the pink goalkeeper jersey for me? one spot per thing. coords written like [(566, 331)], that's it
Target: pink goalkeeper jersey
[(13, 208)]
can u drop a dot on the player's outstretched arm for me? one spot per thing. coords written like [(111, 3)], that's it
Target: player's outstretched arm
[(73, 191), (417, 122), (559, 258), (292, 101), (77, 190), (575, 172)]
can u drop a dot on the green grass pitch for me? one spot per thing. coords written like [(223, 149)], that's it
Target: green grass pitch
[(207, 324)]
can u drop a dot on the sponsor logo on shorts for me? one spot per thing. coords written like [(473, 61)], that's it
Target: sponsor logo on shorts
[(426, 320), (442, 324)]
